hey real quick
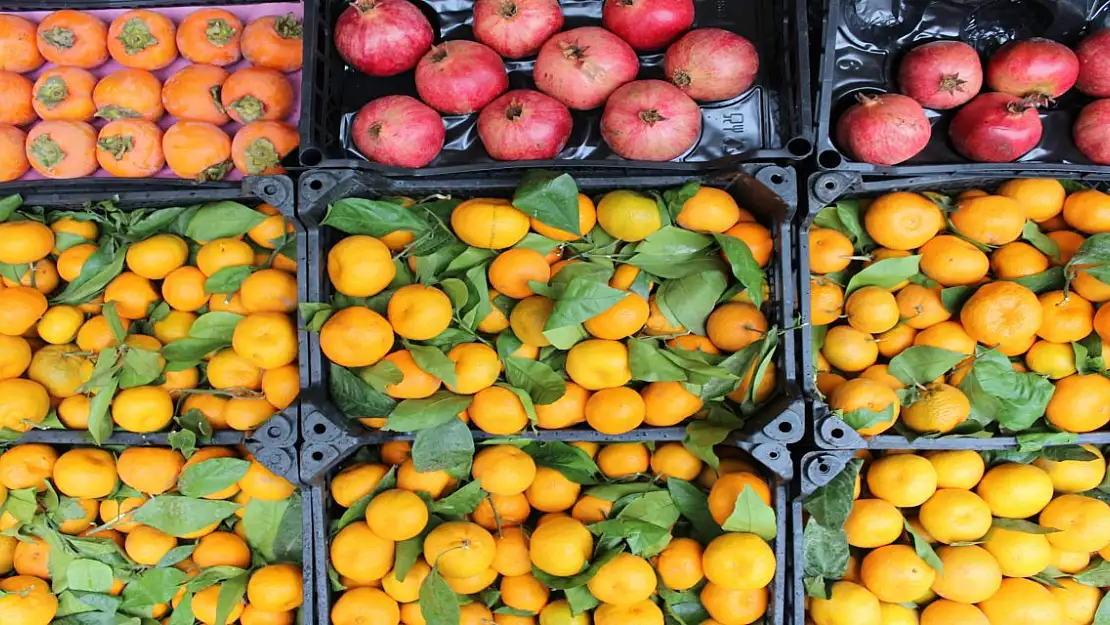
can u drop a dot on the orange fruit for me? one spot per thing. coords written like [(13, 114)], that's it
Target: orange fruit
[(628, 215), (269, 290), (512, 270), (497, 410), (561, 546), (504, 470), (896, 340), (267, 339), (939, 409), (551, 491), (489, 223), (1040, 198), (968, 575), (85, 473), (357, 552), (528, 318), (415, 382), (1019, 554), (709, 210), (729, 487), (435, 483), (871, 309), (1079, 403), (680, 564), (1017, 260), (905, 480), (623, 459), (419, 312), (615, 410), (829, 250), (587, 219), (1065, 317), (848, 604), (620, 321), (989, 219), (362, 605), (921, 307), (624, 580), (1021, 602), (1088, 210), (733, 326), (1000, 312), (954, 515), (525, 592), (896, 574), (849, 349), (674, 460), (356, 337), (568, 410), (952, 261), (863, 393), (757, 238), (739, 561), (459, 548), (1084, 523), (668, 403), (826, 301), (594, 364), (902, 221), (945, 612), (948, 335)]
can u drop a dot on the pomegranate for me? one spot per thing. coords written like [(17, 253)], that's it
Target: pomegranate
[(583, 66), (650, 120), (382, 37), (398, 130), (1038, 68), (516, 28), (1092, 132), (460, 77), (711, 64), (1094, 64), (524, 125), (883, 129), (996, 128), (941, 75), (648, 24)]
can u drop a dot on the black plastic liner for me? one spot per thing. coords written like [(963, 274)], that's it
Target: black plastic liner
[(768, 191), (776, 466), (773, 120), (828, 431), (865, 40), (273, 443)]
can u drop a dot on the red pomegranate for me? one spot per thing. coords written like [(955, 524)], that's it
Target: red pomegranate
[(648, 24), (524, 125), (883, 129), (583, 66), (711, 64), (650, 120), (382, 37), (460, 77), (941, 74), (398, 130), (1094, 64), (1039, 68), (1092, 132), (516, 28), (996, 128)]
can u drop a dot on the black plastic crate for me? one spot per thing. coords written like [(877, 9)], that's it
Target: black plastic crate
[(773, 120), (863, 43), (273, 442), (767, 190), (828, 431), (776, 463), (104, 183)]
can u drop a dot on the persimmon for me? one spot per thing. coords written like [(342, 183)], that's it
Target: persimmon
[(65, 93), (210, 36), (274, 42), (193, 94), (18, 51), (62, 149), (130, 148), (142, 39), (13, 154), (259, 147), (197, 150), (256, 93), (74, 38), (15, 106), (129, 93)]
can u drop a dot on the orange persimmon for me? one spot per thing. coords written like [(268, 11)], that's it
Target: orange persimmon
[(142, 39), (274, 42), (256, 93), (193, 94), (18, 51), (129, 93), (259, 147), (75, 38), (62, 149), (65, 93), (130, 148), (197, 151), (15, 106), (13, 153), (210, 36)]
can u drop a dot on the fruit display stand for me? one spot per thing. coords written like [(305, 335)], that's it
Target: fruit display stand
[(90, 108), (863, 47), (366, 471), (767, 191), (1006, 555), (770, 120), (272, 442), (829, 431)]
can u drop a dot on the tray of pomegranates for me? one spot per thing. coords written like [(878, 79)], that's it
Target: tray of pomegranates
[(918, 86), (420, 87)]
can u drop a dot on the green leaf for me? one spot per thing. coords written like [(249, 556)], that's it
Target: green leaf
[(676, 198), (420, 414), (433, 361), (692, 503), (445, 447), (921, 364), (222, 219), (744, 266), (954, 297), (211, 476), (643, 538), (355, 397), (884, 273), (375, 218), (1041, 241), (177, 555), (574, 463), (1096, 574), (692, 298), (616, 490), (648, 363), (114, 322), (574, 581), (100, 422), (550, 197), (998, 393), (567, 337), (99, 269), (408, 551), (461, 502), (1036, 441), (89, 576), (439, 605), (1021, 525), (192, 349), (1094, 251), (215, 325), (582, 300), (824, 551), (751, 515), (227, 280), (153, 586), (580, 599), (536, 378), (702, 435), (655, 507), (9, 204), (863, 418), (231, 594), (674, 242), (923, 548), (1102, 613), (178, 516), (140, 367), (1048, 280), (830, 504)]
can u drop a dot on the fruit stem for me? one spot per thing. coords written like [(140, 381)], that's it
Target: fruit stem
[(951, 83), (375, 130), (867, 100), (681, 79), (438, 53), (514, 111), (508, 9), (651, 117), (1022, 105), (573, 50), (364, 5)]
